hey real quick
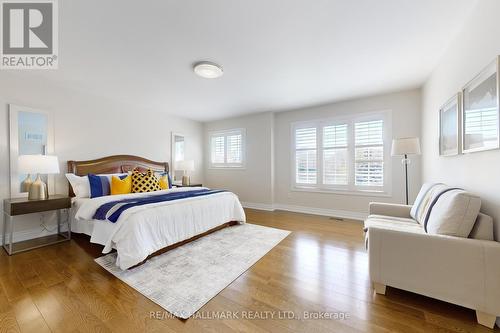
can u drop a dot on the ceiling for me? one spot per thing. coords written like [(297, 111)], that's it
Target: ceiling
[(276, 54)]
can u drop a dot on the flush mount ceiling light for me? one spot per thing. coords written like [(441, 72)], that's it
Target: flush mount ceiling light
[(208, 70)]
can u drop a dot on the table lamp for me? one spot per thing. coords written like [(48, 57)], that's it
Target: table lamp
[(185, 165), (39, 164), (405, 147)]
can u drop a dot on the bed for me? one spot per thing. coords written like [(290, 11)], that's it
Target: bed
[(149, 229)]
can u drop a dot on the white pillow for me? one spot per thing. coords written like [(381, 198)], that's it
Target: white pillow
[(80, 185), (454, 214)]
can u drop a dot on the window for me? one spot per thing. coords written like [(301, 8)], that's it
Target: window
[(227, 149), (344, 154)]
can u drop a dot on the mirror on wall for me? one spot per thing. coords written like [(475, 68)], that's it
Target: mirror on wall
[(178, 154), (30, 134)]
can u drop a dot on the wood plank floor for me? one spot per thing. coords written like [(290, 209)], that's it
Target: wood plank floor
[(321, 267)]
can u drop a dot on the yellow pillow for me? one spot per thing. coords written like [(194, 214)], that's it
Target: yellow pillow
[(163, 180), (121, 186)]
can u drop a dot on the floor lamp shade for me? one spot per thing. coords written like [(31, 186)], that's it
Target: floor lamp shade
[(405, 147)]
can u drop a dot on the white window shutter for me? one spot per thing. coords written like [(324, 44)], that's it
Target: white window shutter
[(227, 148), (217, 148), (234, 148), (335, 155), (305, 156), (369, 153)]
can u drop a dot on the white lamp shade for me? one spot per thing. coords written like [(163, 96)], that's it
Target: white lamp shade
[(185, 165), (405, 146), (43, 164)]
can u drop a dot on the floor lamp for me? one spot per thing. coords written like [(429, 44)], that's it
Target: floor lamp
[(404, 147)]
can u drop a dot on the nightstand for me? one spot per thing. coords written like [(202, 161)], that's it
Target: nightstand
[(190, 185), (21, 206)]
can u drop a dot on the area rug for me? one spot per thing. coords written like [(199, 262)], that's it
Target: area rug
[(182, 280)]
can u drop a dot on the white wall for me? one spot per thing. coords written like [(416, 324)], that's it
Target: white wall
[(476, 46), (254, 183), (266, 180), (405, 108), (87, 127)]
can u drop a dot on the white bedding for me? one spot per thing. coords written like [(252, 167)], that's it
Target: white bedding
[(143, 230)]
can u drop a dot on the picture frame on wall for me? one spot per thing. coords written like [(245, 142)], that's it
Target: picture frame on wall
[(449, 126), (480, 111)]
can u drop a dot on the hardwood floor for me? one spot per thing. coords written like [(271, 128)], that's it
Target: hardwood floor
[(321, 267)]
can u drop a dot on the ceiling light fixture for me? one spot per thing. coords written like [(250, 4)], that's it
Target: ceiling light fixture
[(208, 70)]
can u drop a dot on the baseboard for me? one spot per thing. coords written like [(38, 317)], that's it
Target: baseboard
[(258, 206), (344, 214)]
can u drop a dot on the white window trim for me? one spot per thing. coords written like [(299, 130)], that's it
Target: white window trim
[(225, 133), (350, 189)]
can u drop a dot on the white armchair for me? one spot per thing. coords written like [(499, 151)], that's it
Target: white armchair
[(463, 271)]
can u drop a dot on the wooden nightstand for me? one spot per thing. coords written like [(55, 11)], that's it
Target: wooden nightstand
[(190, 185), (21, 206)]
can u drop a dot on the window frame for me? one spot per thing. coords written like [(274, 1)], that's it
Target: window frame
[(225, 134), (350, 188)]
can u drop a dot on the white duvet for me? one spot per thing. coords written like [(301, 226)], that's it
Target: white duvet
[(143, 230)]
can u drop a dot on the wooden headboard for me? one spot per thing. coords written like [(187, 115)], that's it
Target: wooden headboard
[(113, 164)]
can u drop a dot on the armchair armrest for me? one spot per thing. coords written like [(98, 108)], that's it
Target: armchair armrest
[(380, 208), (459, 270)]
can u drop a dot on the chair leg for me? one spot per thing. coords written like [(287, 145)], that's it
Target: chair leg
[(379, 288), (486, 319)]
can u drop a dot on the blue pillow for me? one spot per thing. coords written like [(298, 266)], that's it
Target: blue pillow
[(99, 185), (169, 180)]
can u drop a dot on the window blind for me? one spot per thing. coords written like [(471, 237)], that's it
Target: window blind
[(305, 155), (217, 148), (227, 148), (234, 148), (335, 155), (369, 153)]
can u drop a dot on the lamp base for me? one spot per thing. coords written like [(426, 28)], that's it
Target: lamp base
[(38, 190), (25, 185), (186, 181)]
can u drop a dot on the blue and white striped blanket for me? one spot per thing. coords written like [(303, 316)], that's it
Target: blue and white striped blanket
[(112, 210)]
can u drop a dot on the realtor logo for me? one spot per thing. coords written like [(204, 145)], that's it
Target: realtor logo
[(29, 34)]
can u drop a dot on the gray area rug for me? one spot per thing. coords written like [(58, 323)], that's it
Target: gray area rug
[(184, 279)]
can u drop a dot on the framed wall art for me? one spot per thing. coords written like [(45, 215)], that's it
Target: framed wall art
[(480, 106)]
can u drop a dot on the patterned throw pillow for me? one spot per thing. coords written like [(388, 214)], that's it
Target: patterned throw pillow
[(144, 182)]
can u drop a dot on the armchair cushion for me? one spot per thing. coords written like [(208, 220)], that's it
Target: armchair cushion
[(393, 223)]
